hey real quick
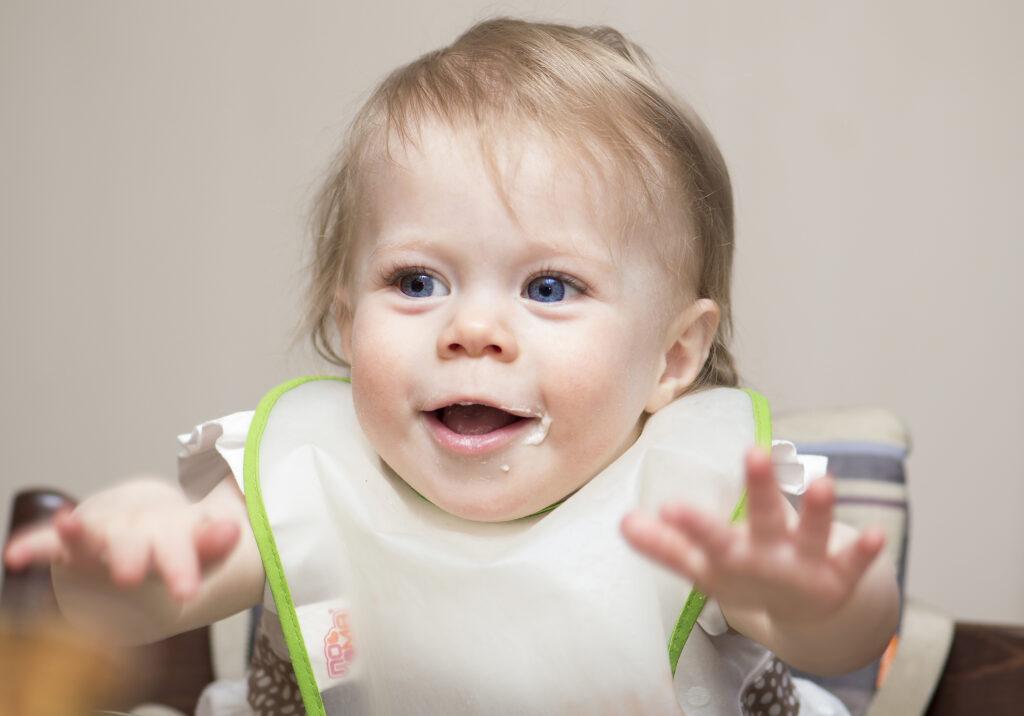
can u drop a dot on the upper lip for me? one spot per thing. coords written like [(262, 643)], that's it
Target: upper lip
[(477, 400)]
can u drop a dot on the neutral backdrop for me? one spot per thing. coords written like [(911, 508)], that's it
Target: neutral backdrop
[(157, 161)]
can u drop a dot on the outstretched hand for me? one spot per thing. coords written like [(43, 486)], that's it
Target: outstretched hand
[(771, 560), (127, 533)]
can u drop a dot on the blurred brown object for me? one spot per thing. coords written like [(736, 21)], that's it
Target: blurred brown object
[(42, 657), (984, 672), (46, 669), (28, 591)]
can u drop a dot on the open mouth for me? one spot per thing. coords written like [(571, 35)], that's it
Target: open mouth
[(474, 418), (474, 428)]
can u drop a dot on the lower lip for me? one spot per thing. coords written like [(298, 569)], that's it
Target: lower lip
[(474, 444)]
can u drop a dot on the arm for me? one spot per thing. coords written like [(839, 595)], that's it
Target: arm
[(816, 593), (139, 562)]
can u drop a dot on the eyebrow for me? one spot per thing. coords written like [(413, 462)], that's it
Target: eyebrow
[(534, 245), (414, 245)]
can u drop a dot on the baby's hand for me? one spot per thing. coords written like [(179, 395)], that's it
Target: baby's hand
[(128, 532), (770, 561)]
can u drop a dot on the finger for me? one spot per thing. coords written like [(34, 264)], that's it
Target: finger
[(854, 559), (80, 543), (708, 534), (214, 540), (664, 545), (764, 501), (177, 564), (129, 559), (816, 519), (34, 545)]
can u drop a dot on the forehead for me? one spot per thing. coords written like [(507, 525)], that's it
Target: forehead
[(521, 183)]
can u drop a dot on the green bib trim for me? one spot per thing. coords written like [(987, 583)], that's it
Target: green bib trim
[(268, 546), (696, 600)]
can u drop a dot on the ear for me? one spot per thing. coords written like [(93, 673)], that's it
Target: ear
[(687, 345)]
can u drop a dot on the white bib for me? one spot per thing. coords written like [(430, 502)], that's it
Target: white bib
[(390, 605)]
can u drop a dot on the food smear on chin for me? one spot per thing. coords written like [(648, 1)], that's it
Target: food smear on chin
[(539, 432)]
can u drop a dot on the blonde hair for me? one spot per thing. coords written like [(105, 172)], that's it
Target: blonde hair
[(596, 95)]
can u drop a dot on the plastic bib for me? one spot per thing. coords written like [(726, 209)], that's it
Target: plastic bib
[(390, 605)]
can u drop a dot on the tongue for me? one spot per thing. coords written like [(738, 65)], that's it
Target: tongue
[(475, 419)]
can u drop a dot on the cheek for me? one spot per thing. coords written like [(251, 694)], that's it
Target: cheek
[(384, 341), (380, 370), (598, 384)]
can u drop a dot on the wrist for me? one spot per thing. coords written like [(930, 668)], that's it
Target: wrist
[(97, 607)]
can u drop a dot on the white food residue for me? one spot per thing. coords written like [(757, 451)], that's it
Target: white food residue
[(505, 468), (539, 432)]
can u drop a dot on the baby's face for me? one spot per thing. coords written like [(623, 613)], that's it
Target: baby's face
[(498, 367)]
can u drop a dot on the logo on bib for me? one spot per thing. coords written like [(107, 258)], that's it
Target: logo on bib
[(338, 649)]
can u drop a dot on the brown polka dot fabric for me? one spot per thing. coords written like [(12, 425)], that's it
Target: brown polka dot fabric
[(770, 693), (273, 690)]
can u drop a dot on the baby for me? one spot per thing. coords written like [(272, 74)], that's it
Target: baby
[(525, 251)]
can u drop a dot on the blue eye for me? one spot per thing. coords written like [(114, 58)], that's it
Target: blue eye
[(420, 285), (413, 281), (549, 289)]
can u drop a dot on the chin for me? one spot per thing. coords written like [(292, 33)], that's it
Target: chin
[(485, 509)]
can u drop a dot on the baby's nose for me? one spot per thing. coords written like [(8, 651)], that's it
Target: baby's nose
[(477, 332)]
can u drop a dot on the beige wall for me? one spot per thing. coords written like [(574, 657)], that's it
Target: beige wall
[(158, 160)]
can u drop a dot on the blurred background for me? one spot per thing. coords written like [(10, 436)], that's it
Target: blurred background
[(159, 160)]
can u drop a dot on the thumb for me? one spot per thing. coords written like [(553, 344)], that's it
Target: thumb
[(214, 539)]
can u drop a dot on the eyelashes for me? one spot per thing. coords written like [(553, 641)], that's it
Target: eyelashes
[(564, 277), (391, 274)]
